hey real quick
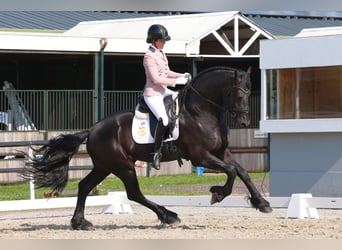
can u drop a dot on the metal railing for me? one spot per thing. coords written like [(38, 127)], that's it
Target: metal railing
[(116, 101), (48, 109), (27, 110)]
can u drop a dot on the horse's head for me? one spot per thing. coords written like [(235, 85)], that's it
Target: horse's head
[(238, 98), (219, 89)]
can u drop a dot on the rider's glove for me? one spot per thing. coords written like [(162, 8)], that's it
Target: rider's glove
[(181, 80), (188, 76)]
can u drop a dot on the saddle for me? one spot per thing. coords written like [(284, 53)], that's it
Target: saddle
[(144, 124), (143, 111)]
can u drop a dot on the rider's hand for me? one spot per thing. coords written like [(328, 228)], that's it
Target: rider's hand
[(181, 80), (188, 76)]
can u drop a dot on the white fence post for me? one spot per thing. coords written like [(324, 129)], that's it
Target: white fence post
[(300, 208), (119, 205), (32, 194)]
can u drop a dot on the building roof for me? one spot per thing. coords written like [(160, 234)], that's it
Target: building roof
[(331, 31), (217, 34), (288, 24), (230, 31), (59, 20), (292, 25)]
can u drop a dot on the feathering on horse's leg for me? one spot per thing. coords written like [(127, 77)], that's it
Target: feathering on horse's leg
[(256, 198)]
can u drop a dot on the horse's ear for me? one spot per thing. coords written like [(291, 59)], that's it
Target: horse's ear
[(249, 70), (238, 77)]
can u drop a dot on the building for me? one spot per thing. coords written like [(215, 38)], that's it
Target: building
[(302, 111), (61, 51)]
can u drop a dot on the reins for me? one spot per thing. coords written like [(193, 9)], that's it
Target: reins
[(206, 99), (219, 106)]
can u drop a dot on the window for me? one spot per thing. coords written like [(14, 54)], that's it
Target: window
[(304, 93)]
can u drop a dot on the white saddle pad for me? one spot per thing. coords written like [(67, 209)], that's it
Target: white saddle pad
[(141, 130)]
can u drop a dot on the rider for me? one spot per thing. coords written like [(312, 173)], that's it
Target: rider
[(158, 78)]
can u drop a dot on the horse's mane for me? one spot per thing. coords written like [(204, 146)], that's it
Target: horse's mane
[(215, 68), (184, 91)]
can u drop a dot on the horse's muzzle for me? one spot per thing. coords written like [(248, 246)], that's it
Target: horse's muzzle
[(243, 120)]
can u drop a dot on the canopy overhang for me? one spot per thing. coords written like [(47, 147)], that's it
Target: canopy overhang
[(220, 34)]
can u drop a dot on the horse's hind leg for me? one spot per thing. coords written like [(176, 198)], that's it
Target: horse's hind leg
[(78, 220), (129, 178)]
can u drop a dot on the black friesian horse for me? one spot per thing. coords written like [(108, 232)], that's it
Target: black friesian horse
[(203, 139)]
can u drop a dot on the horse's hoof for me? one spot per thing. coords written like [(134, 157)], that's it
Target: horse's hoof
[(266, 209), (216, 194), (169, 217), (261, 204), (173, 220), (82, 225), (213, 199)]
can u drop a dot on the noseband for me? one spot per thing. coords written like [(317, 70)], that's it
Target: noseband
[(233, 112)]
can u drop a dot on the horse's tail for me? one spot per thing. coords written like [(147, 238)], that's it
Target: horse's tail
[(51, 168)]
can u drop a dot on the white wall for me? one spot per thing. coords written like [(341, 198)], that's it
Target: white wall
[(301, 52)]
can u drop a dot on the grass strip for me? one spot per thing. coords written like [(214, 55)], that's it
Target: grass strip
[(155, 185)]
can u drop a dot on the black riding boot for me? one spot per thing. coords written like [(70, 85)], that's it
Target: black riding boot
[(158, 143)]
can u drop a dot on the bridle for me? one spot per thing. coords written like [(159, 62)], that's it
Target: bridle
[(233, 111)]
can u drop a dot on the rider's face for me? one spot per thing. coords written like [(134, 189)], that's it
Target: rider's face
[(159, 44)]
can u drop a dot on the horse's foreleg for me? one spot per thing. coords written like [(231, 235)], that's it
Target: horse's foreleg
[(129, 178), (256, 198), (219, 192), (78, 220)]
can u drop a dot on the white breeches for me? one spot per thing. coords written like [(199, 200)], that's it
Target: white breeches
[(156, 104)]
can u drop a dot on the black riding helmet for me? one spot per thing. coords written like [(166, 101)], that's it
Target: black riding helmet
[(157, 31)]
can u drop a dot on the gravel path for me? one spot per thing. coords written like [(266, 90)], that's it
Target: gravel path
[(197, 223)]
